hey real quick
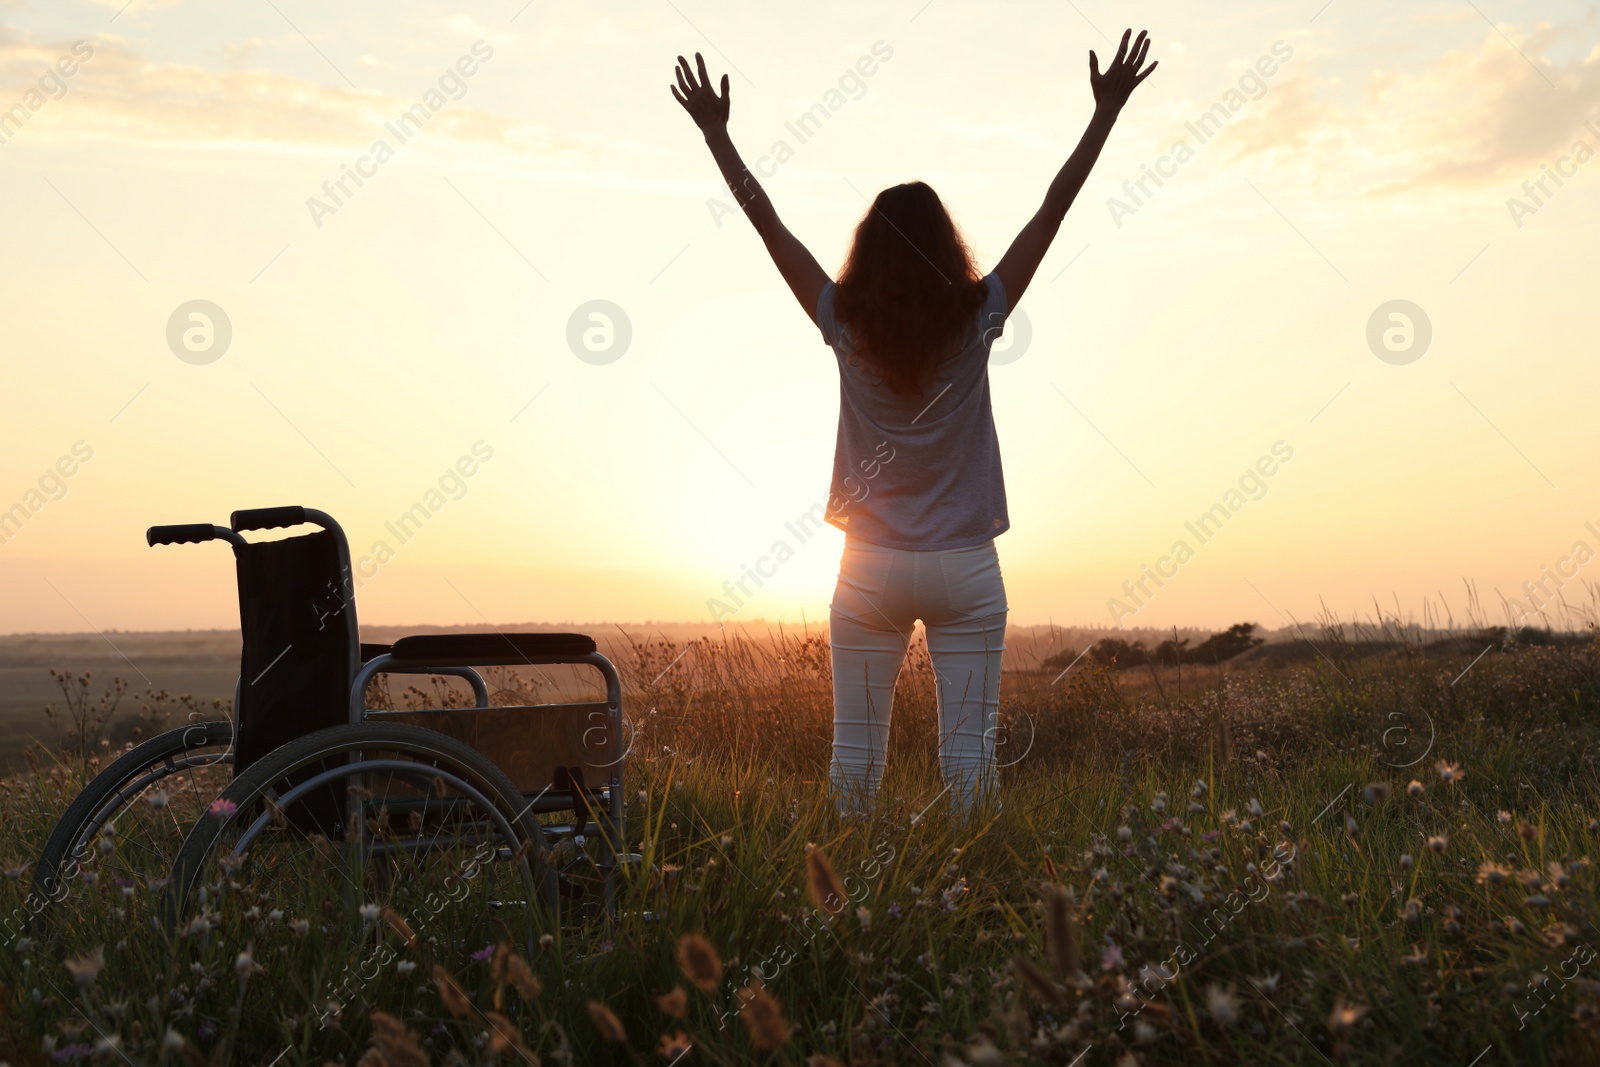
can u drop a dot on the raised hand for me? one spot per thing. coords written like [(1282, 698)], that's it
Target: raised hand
[(1112, 88), (708, 110)]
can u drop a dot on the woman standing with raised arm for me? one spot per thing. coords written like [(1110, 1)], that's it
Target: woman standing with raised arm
[(917, 484)]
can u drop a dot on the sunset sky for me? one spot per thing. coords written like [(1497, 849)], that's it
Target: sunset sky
[(1178, 332)]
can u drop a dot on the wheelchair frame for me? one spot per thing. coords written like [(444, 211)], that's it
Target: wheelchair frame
[(599, 810)]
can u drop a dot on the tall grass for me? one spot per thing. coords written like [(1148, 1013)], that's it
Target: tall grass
[(1379, 855)]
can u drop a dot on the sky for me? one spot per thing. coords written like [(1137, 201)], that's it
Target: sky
[(1331, 283)]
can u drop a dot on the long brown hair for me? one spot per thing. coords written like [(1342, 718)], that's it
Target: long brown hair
[(909, 289)]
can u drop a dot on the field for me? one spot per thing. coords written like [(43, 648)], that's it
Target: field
[(1356, 846)]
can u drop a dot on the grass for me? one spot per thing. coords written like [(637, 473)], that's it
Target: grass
[(1200, 866)]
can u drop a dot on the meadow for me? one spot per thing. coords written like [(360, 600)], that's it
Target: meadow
[(1360, 845)]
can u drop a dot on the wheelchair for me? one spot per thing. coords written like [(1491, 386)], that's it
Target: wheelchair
[(516, 807)]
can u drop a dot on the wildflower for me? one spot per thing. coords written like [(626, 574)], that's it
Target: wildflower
[(244, 965), (1413, 910), (675, 1003), (1111, 958), (1222, 1005), (1558, 874), (1514, 926), (1438, 843), (1450, 772), (1124, 833), (1537, 900), (546, 940), (1376, 792), (404, 968), (763, 1017), (1350, 825), (982, 1053), (1562, 935), (674, 1046), (864, 917), (1199, 788), (370, 912), (1344, 1016), (483, 954), (1405, 861), (1504, 818), (1415, 788), (1490, 873), (86, 968), (1255, 809), (1526, 830), (699, 961), (894, 910), (724, 840), (172, 1041), (156, 798), (1158, 803), (223, 806), (1267, 984), (606, 1022), (1417, 958), (299, 927)]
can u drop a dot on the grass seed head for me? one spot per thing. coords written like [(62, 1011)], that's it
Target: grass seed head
[(675, 1003), (606, 1022), (451, 994), (393, 1044), (1061, 945), (700, 962), (763, 1017), (826, 889)]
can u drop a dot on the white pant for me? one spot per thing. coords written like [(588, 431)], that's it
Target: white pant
[(960, 598)]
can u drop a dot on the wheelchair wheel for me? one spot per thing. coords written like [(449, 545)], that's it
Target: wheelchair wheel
[(360, 832), (117, 839)]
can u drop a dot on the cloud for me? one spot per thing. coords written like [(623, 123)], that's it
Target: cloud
[(1480, 115), (134, 7), (121, 95), (1470, 119)]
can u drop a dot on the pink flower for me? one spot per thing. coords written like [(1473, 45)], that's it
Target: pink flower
[(223, 806)]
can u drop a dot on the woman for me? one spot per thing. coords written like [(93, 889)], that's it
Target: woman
[(917, 484)]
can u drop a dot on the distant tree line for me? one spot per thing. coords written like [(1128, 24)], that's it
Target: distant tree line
[(1117, 654)]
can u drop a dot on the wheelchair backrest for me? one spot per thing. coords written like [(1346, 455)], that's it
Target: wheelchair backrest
[(297, 616)]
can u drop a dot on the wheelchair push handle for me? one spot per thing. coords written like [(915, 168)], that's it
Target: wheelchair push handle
[(185, 534), (268, 518)]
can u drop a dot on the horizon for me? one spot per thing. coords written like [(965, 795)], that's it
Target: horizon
[(1344, 247)]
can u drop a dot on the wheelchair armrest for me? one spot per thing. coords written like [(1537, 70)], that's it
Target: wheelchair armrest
[(452, 650)]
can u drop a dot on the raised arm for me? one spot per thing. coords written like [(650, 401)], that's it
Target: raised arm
[(710, 112), (1111, 91)]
